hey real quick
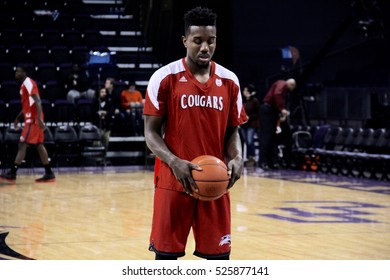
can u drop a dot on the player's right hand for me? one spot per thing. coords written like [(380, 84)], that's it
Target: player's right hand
[(182, 171), (16, 124)]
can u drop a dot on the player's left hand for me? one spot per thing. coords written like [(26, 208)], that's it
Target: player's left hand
[(41, 124), (234, 166)]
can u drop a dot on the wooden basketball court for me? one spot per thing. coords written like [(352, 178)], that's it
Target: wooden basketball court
[(106, 214)]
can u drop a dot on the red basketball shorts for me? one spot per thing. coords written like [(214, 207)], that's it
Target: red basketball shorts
[(175, 213), (32, 134)]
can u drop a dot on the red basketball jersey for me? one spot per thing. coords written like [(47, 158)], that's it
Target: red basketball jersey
[(196, 114), (27, 90)]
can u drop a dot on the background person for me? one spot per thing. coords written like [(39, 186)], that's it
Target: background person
[(272, 110), (78, 85), (103, 117), (251, 105), (113, 96), (132, 102)]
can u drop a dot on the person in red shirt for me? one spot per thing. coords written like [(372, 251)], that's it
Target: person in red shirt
[(33, 130), (272, 111), (193, 107)]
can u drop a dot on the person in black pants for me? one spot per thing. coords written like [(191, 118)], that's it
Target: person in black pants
[(103, 118), (272, 111)]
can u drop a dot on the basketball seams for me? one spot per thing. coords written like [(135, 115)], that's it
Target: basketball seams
[(213, 181), (213, 164), (209, 180)]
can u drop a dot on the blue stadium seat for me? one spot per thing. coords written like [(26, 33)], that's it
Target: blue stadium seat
[(60, 54), (46, 72), (66, 146), (39, 54), (10, 90), (63, 111), (6, 72)]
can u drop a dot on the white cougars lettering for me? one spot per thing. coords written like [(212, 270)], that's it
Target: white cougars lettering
[(214, 102)]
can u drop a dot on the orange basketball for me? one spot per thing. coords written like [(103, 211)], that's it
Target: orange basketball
[(212, 180)]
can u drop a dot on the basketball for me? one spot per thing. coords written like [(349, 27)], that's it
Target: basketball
[(212, 180)]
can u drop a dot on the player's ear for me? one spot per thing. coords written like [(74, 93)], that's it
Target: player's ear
[(184, 40)]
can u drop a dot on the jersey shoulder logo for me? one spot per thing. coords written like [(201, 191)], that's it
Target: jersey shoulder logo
[(183, 79), (218, 82)]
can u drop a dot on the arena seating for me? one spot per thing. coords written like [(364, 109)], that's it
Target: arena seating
[(10, 145), (91, 146), (51, 35), (363, 153), (66, 146), (51, 43)]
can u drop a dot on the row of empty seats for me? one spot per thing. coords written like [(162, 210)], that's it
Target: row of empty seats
[(66, 145), (41, 14), (45, 72), (60, 111), (84, 111), (50, 37), (64, 32), (17, 5), (353, 152), (31, 33), (37, 54)]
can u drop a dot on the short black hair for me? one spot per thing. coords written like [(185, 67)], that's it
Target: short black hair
[(199, 16), (22, 66)]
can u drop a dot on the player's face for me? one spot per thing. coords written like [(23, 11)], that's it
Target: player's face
[(20, 74), (200, 43)]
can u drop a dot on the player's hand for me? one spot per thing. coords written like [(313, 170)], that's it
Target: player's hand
[(41, 124), (182, 171), (234, 170), (16, 124)]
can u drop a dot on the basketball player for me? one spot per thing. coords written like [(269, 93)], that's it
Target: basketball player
[(32, 133), (198, 104)]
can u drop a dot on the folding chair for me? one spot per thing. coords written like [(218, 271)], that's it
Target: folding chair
[(91, 146), (66, 146)]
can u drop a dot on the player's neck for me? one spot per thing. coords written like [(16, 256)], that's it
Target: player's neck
[(21, 80), (202, 74)]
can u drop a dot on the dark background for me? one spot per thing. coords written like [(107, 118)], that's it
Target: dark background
[(335, 49), (251, 34)]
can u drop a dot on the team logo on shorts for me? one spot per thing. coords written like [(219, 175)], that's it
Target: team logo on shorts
[(226, 239), (218, 82)]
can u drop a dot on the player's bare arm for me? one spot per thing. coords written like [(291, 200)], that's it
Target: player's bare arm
[(234, 154), (180, 168), (17, 120), (37, 101)]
